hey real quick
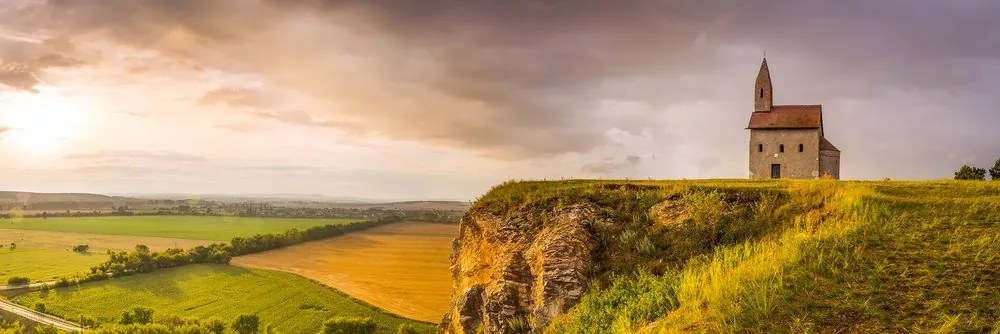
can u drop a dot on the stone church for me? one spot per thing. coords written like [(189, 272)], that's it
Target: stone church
[(787, 141)]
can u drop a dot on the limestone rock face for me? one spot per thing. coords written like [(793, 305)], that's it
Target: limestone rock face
[(516, 276)]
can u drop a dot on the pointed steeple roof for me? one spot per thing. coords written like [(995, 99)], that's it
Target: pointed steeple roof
[(764, 73)]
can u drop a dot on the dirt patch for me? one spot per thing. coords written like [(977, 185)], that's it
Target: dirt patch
[(402, 268)]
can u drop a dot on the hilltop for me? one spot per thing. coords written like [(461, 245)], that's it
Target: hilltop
[(586, 256)]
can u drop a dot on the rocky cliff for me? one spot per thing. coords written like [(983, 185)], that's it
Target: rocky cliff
[(527, 252), (510, 276)]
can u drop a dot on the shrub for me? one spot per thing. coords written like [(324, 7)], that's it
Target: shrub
[(81, 248), (138, 315), (18, 280), (345, 325), (995, 171), (215, 325), (970, 173), (246, 324), (40, 307), (406, 329)]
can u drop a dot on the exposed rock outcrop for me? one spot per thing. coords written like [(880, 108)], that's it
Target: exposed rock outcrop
[(512, 276)]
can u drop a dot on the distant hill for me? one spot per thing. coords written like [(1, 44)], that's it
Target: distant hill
[(85, 201)]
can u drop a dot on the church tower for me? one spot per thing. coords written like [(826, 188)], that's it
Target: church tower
[(762, 89)]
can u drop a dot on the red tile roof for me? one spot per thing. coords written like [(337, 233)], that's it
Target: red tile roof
[(826, 145), (788, 117)]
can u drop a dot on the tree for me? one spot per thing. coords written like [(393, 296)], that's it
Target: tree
[(40, 307), (138, 315), (13, 246), (344, 325), (81, 248), (995, 171), (215, 325), (18, 280), (246, 324), (970, 173)]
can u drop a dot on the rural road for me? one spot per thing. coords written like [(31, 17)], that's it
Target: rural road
[(39, 317)]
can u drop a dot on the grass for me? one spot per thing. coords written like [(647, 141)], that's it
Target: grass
[(45, 264), (291, 303), (216, 228), (402, 268), (779, 256)]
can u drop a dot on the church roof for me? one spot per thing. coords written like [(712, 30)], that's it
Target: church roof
[(788, 117), (826, 145)]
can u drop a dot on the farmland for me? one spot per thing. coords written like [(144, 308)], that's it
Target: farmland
[(44, 264), (402, 267), (217, 228), (289, 302)]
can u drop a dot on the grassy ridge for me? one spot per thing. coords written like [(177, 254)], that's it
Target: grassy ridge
[(45, 264), (216, 228), (780, 256), (291, 303)]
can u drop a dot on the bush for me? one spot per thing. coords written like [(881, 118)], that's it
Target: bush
[(406, 329), (970, 173), (18, 280), (246, 324), (81, 248), (138, 315), (344, 325), (995, 171), (40, 307), (215, 325)]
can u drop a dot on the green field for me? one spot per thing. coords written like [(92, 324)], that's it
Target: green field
[(45, 264), (218, 228), (291, 303)]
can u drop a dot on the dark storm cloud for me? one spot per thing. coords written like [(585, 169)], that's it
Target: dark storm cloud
[(529, 78)]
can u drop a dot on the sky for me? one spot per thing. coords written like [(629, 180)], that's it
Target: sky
[(443, 99)]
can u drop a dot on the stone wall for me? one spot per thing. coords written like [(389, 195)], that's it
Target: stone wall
[(794, 164), (829, 163)]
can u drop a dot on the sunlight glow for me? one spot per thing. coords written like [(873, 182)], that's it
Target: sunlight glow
[(39, 123)]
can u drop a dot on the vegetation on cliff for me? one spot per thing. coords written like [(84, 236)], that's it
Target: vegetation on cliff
[(772, 256)]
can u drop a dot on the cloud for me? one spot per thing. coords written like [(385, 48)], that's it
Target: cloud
[(236, 97), (610, 165), (19, 76), (534, 79), (118, 157)]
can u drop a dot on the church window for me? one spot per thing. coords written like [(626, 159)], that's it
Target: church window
[(800, 147), (761, 92), (760, 147), (781, 148)]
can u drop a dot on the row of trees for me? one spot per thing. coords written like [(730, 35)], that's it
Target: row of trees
[(967, 172), (140, 320), (264, 242), (142, 260)]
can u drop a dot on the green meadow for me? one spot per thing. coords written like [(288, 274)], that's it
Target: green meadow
[(45, 264), (216, 228), (291, 303)]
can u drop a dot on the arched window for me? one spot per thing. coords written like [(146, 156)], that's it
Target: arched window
[(761, 92), (800, 147), (781, 148), (760, 147)]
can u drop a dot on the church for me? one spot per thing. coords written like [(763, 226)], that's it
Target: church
[(787, 141)]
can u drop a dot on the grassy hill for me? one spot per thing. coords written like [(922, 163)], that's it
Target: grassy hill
[(289, 302), (764, 256)]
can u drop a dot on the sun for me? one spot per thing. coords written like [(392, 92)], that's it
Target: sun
[(39, 123)]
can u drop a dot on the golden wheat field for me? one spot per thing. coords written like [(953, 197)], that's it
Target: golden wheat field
[(402, 268)]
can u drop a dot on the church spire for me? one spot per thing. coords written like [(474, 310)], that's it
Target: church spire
[(762, 89)]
